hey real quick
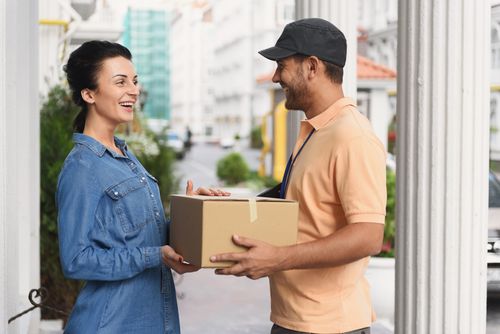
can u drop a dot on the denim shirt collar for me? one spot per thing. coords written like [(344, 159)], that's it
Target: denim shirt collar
[(98, 148)]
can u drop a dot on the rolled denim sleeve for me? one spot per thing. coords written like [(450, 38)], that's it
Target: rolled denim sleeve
[(82, 256)]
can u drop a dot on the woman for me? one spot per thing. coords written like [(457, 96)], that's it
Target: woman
[(112, 227)]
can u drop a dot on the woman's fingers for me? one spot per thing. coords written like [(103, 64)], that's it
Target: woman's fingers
[(189, 188), (204, 191)]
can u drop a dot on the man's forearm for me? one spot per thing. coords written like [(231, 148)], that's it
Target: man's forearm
[(349, 244)]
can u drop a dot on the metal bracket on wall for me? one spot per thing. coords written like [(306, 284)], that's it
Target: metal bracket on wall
[(43, 294)]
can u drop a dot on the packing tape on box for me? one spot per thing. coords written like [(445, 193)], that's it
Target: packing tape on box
[(253, 210)]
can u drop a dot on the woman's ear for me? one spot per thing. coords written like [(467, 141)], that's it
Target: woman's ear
[(87, 95)]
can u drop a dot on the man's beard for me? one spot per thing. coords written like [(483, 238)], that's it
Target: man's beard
[(297, 93)]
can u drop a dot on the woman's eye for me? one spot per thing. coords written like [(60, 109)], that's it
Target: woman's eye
[(136, 82)]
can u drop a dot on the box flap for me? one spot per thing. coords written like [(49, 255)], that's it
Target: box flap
[(235, 198)]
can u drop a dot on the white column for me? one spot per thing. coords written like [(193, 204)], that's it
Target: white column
[(442, 180), (4, 305), (19, 163), (343, 14), (379, 113)]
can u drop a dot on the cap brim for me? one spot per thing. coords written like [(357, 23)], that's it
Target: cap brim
[(275, 53)]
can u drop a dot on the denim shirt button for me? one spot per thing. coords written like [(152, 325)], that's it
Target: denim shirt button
[(157, 214), (116, 193), (152, 196)]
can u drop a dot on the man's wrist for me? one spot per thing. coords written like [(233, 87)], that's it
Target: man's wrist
[(285, 256)]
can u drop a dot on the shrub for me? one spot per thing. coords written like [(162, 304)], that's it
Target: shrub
[(56, 119), (390, 218), (161, 166), (232, 169), (256, 138), (260, 183)]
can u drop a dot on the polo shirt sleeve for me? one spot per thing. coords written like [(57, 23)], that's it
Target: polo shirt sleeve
[(360, 178)]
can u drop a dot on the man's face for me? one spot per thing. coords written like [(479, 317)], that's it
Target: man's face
[(290, 75)]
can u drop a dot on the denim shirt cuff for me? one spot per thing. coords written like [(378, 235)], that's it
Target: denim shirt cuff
[(152, 256)]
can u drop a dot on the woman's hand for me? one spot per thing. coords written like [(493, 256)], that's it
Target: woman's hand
[(204, 191), (175, 261)]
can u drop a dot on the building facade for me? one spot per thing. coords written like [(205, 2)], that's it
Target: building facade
[(192, 102), (241, 29), (378, 27), (146, 34)]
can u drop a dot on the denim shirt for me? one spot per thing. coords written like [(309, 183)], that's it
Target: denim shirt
[(111, 226)]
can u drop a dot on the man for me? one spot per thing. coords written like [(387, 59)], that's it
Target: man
[(337, 174)]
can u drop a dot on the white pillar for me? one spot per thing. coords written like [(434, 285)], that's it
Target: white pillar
[(442, 158), (379, 113), (19, 163), (4, 305)]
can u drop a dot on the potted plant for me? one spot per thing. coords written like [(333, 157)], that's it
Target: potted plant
[(381, 270)]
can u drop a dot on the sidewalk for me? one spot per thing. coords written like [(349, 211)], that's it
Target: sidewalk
[(212, 304)]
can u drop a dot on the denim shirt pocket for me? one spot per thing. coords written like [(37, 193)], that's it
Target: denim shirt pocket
[(131, 204)]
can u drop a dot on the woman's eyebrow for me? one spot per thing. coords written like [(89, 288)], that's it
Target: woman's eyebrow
[(123, 75)]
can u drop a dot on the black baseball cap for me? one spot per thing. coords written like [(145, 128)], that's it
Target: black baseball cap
[(310, 37)]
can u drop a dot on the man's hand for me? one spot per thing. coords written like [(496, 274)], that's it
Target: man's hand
[(204, 191), (175, 261), (260, 260)]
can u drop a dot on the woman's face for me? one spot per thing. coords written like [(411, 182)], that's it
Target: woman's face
[(116, 92)]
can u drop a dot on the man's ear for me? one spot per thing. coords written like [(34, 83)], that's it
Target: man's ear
[(313, 64), (87, 95)]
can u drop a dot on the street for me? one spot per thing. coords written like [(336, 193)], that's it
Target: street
[(200, 164)]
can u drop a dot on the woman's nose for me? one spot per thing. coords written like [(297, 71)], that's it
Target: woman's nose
[(134, 90)]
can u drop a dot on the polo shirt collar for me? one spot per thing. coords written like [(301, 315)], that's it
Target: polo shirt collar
[(96, 147), (321, 120)]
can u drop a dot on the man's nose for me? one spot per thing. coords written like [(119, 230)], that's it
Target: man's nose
[(276, 77)]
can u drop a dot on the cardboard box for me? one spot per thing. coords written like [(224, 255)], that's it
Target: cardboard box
[(202, 226)]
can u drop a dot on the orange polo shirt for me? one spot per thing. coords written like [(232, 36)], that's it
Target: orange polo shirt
[(338, 179)]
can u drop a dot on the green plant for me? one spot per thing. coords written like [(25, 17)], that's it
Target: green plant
[(256, 137), (495, 166), (232, 169), (259, 183), (56, 119), (390, 218), (161, 166)]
